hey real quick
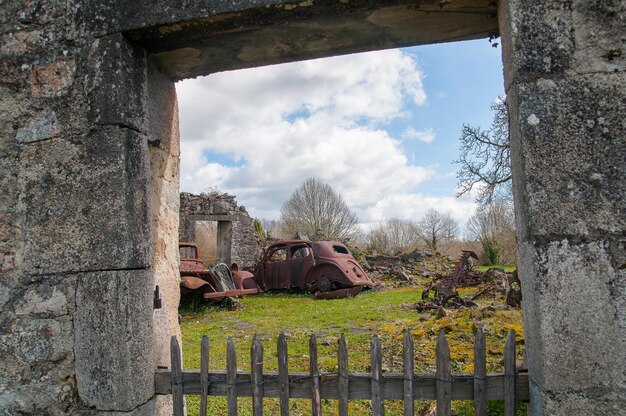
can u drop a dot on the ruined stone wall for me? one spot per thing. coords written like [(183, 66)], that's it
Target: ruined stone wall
[(245, 244), (88, 167), (566, 90)]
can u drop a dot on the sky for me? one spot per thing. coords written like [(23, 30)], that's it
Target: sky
[(382, 128)]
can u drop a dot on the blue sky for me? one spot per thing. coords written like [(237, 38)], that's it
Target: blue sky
[(382, 128)]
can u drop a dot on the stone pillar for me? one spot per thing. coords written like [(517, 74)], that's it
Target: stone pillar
[(224, 241), (566, 89), (88, 216), (164, 151)]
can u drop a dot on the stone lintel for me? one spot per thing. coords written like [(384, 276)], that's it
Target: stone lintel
[(256, 34)]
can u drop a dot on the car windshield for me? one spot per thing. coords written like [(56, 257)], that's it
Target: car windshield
[(187, 252)]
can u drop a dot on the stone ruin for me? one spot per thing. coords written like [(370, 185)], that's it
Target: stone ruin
[(89, 177), (237, 240)]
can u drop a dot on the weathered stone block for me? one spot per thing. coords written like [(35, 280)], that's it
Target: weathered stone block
[(543, 38), (7, 261), (44, 125), (87, 202), (49, 297), (599, 34), (568, 143), (113, 339), (54, 79), (5, 226), (43, 389), (571, 296), (115, 15), (117, 83), (41, 340)]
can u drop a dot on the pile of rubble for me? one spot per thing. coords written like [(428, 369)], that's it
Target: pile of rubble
[(442, 276), (415, 268)]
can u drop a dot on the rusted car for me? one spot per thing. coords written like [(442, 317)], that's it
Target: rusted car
[(216, 282), (324, 267)]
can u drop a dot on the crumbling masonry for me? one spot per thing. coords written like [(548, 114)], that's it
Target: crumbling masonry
[(237, 240), (89, 201)]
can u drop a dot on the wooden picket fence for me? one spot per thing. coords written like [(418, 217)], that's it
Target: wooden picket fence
[(443, 386)]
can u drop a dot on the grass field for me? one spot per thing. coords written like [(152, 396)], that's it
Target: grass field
[(386, 312), (509, 268)]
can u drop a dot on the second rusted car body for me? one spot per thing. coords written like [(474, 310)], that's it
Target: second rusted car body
[(325, 267), (215, 283)]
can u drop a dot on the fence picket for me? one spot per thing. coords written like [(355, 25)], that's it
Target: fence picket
[(177, 378), (231, 377), (509, 374), (283, 375), (376, 363), (204, 374), (444, 376), (342, 369), (409, 369), (480, 374), (316, 404), (256, 358)]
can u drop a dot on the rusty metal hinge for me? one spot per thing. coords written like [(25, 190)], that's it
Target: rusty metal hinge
[(157, 298)]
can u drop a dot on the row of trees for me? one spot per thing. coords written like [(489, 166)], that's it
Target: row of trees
[(317, 211), (395, 235)]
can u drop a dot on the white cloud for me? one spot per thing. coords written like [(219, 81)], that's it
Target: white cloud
[(414, 205), (323, 118), (427, 136)]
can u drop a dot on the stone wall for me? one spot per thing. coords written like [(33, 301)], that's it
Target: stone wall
[(88, 215), (566, 89), (243, 246)]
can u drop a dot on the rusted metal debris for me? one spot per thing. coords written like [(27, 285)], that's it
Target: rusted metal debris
[(324, 267), (443, 290)]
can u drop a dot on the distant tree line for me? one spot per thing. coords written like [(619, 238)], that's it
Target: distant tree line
[(316, 211)]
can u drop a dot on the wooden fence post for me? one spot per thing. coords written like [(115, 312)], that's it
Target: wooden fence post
[(342, 369), (480, 374), (409, 370), (444, 376), (231, 377), (509, 374), (283, 375), (376, 364), (178, 397), (316, 404), (204, 374), (256, 358)]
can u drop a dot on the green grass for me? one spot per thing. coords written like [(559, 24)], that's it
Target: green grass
[(385, 313), (509, 268)]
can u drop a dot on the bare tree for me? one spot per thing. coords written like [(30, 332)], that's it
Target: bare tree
[(485, 158), (494, 226), (436, 227), (393, 235), (377, 239), (320, 212), (274, 228)]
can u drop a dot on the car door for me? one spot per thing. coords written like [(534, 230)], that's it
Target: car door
[(300, 261), (276, 270)]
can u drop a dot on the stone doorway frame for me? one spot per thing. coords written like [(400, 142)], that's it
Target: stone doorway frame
[(92, 110)]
